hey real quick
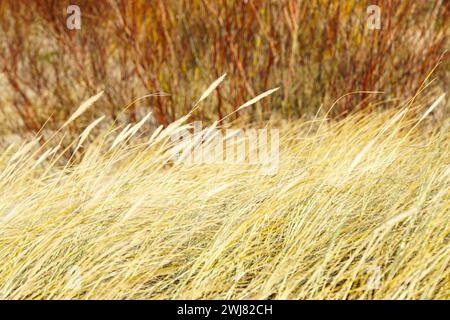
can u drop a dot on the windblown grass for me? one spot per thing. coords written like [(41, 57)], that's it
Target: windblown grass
[(352, 198)]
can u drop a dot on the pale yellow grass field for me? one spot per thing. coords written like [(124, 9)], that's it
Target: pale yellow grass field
[(359, 208)]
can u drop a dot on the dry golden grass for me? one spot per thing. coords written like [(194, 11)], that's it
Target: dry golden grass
[(351, 198)]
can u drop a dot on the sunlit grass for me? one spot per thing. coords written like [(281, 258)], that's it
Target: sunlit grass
[(359, 208)]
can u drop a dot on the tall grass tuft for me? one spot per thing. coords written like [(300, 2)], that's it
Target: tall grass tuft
[(359, 208)]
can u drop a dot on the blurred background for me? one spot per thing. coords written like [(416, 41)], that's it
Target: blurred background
[(315, 50)]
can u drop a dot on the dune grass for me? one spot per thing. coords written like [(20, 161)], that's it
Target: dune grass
[(359, 208)]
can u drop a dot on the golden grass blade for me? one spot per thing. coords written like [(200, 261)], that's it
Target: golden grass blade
[(432, 107), (257, 98), (88, 130), (121, 136), (83, 107), (129, 131), (155, 134), (138, 125), (429, 110), (210, 89), (25, 149), (44, 156), (151, 95)]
